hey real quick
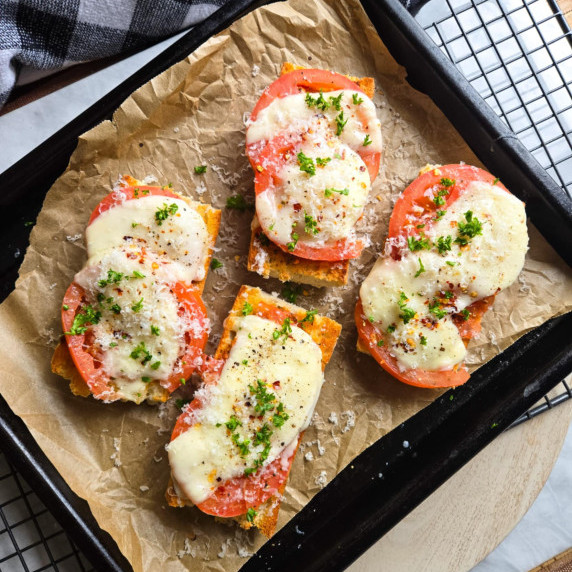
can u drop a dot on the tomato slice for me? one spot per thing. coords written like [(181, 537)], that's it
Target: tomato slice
[(118, 197), (235, 496), (274, 157), (309, 81), (302, 81), (406, 212), (369, 335), (88, 360), (414, 207), (268, 159)]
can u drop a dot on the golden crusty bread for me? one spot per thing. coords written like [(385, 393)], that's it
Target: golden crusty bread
[(324, 331), (62, 363), (267, 259)]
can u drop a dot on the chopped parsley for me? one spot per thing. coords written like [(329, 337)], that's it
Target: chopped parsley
[(367, 141), (319, 102), (137, 274), (233, 423), (451, 263), (322, 162), (163, 213), (292, 244), (356, 99), (340, 123), (306, 164), (407, 313), (243, 446), (309, 317), (238, 202), (200, 169), (468, 230), (438, 199), (291, 291), (419, 243), (496, 181), (141, 350), (244, 362), (421, 268), (336, 102), (246, 309), (465, 313), (423, 340), (155, 330), (391, 329), (446, 182), (113, 344), (134, 224), (264, 399), (280, 417), (138, 306), (444, 243), (216, 263), (440, 215), (262, 436), (145, 379), (89, 316), (65, 307), (112, 278), (310, 224), (436, 310), (330, 192), (156, 365), (284, 332), (380, 343), (116, 309), (250, 514), (448, 295)]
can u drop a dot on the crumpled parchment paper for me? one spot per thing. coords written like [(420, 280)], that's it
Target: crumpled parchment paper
[(193, 114)]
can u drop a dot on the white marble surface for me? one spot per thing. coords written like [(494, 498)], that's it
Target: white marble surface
[(545, 530)]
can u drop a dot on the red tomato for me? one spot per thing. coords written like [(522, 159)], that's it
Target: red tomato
[(269, 159), (87, 359), (406, 214), (310, 81), (235, 496), (415, 206), (369, 335), (274, 157), (129, 193)]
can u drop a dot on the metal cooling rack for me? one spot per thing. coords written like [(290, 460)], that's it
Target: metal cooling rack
[(518, 56)]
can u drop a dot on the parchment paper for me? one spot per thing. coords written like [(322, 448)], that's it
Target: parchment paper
[(193, 114)]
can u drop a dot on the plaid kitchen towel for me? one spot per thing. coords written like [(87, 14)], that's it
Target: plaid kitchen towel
[(39, 37)]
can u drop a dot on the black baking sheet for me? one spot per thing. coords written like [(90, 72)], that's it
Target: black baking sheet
[(359, 505)]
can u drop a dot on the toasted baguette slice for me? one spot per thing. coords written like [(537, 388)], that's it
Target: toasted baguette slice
[(324, 331), (62, 363), (267, 259)]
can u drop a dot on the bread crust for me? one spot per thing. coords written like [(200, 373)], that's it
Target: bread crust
[(324, 331), (62, 363), (268, 260)]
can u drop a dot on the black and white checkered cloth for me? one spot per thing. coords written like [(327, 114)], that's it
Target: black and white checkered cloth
[(38, 37)]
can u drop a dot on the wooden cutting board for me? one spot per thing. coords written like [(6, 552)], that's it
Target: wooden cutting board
[(466, 518)]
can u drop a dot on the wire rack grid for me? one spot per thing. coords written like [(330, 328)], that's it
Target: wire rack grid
[(518, 56)]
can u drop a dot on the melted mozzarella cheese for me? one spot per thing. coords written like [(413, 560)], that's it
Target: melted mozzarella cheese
[(138, 310), (180, 241), (290, 370), (449, 282), (334, 197), (291, 113)]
